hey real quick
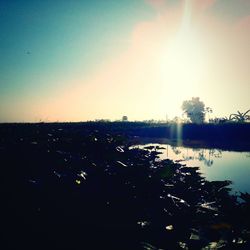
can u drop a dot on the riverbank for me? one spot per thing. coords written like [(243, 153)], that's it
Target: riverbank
[(238, 146), (67, 186), (226, 136)]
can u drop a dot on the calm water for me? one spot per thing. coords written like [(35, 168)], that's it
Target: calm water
[(214, 164)]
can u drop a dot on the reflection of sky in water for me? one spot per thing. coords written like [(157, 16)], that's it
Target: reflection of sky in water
[(214, 164)]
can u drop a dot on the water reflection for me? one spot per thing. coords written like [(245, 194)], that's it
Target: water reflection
[(206, 156), (214, 164)]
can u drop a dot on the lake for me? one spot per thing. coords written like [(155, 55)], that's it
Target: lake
[(214, 164)]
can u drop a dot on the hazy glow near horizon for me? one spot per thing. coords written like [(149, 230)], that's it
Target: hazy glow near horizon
[(183, 62), (141, 60)]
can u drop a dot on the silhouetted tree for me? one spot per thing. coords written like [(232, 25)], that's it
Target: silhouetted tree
[(194, 109)]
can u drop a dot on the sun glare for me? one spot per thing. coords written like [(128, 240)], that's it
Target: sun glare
[(183, 60)]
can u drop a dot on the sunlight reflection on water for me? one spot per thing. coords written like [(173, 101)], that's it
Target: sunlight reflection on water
[(215, 165)]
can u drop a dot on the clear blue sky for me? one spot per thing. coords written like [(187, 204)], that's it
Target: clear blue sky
[(41, 41)]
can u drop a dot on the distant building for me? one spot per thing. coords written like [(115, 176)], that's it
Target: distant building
[(124, 118)]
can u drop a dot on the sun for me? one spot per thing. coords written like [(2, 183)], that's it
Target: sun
[(183, 60)]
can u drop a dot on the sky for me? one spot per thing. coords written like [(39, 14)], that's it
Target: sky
[(84, 60)]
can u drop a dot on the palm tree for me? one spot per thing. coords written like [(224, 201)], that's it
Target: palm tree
[(240, 117)]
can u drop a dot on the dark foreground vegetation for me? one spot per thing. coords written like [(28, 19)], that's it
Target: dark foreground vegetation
[(80, 186)]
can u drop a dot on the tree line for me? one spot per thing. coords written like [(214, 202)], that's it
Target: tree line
[(195, 110)]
